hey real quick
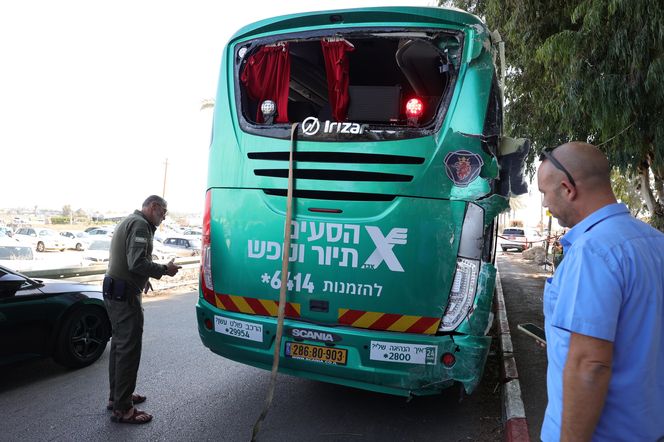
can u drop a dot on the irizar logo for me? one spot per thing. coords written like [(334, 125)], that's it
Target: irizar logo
[(311, 126), (313, 335)]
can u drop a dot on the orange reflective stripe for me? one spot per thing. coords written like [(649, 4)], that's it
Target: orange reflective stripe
[(347, 316), (388, 321), (422, 325), (272, 307), (255, 306), (404, 323), (242, 304)]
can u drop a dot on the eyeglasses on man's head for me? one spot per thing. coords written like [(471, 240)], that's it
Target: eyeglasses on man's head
[(547, 154)]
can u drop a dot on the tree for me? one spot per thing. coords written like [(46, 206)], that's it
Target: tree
[(627, 190), (587, 70), (66, 210)]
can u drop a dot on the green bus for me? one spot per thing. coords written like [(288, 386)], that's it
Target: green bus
[(392, 117)]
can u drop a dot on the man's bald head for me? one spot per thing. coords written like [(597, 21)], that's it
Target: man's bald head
[(570, 201), (585, 162)]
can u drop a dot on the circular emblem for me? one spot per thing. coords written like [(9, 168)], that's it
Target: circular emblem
[(462, 167), (310, 126)]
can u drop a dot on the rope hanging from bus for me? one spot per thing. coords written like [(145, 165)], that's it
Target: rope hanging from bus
[(282, 291)]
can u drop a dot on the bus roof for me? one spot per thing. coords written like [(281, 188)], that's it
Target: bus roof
[(360, 16)]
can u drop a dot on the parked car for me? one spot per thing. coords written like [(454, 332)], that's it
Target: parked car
[(519, 238), (192, 232), (15, 254), (67, 321), (161, 253), (76, 240), (182, 246), (41, 239), (6, 231), (98, 251), (101, 231)]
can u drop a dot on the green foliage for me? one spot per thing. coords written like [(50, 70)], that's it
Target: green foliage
[(626, 188), (587, 70), (60, 220)]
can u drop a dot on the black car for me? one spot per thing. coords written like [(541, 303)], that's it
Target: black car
[(51, 318)]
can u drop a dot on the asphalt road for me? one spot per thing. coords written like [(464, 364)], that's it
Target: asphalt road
[(197, 395)]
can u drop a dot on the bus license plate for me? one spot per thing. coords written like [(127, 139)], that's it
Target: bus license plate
[(238, 329), (316, 353)]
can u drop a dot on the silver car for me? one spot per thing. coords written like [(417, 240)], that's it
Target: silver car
[(41, 239), (182, 246), (76, 240)]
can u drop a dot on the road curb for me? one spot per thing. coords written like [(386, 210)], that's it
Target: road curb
[(514, 414)]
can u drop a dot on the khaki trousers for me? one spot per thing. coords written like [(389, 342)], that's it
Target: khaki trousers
[(125, 355)]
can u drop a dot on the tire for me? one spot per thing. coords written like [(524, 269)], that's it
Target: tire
[(40, 246), (83, 337), (79, 247)]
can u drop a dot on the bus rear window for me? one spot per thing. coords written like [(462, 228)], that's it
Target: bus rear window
[(383, 80)]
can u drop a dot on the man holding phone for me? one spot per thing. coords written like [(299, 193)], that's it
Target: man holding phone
[(129, 269), (603, 308)]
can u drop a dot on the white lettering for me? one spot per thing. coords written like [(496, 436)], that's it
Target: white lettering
[(334, 232), (273, 250), (384, 246), (310, 334), (328, 254), (345, 252), (256, 249)]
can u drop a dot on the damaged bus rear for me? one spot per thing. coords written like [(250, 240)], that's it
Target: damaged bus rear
[(394, 119)]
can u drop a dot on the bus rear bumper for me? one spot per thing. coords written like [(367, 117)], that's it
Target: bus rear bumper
[(435, 362)]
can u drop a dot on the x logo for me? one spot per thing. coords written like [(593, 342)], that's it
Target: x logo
[(384, 246)]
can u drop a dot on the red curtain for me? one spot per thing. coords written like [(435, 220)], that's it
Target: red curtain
[(337, 70), (266, 77)]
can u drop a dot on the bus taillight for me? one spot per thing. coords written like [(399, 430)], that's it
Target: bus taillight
[(414, 110), (464, 285), (207, 285)]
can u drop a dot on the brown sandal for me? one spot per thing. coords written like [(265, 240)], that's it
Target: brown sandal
[(135, 399), (138, 417)]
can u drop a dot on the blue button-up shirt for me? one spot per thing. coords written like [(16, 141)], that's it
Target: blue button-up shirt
[(610, 285)]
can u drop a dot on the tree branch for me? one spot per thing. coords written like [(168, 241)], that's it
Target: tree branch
[(646, 190)]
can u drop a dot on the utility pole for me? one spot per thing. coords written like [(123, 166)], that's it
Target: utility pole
[(163, 192)]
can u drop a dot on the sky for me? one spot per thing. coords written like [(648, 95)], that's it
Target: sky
[(96, 95)]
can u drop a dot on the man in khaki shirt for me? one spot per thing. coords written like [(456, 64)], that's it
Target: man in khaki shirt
[(130, 266)]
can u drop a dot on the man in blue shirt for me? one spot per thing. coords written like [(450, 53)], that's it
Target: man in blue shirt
[(603, 309)]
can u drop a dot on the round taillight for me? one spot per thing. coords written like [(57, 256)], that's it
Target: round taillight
[(268, 107), (448, 359), (414, 108)]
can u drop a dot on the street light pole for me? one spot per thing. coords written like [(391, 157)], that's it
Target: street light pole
[(163, 192)]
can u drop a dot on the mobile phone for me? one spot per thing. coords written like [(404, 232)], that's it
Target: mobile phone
[(533, 331)]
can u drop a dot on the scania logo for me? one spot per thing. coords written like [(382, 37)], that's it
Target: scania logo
[(313, 335), (311, 126)]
